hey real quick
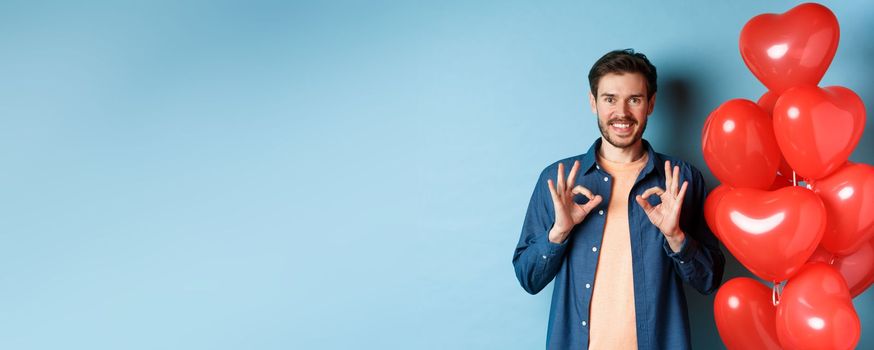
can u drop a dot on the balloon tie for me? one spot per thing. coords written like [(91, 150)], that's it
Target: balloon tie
[(776, 291), (794, 180)]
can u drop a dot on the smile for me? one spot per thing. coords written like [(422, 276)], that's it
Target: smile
[(621, 126)]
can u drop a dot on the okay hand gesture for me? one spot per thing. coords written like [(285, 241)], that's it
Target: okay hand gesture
[(567, 212), (666, 215)]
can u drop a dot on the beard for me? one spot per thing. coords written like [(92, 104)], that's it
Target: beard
[(617, 142)]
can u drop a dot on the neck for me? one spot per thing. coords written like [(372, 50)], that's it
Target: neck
[(621, 155)]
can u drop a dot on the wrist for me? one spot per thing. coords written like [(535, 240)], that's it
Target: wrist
[(676, 240), (558, 236)]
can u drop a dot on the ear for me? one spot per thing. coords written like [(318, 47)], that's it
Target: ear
[(652, 101), (592, 104)]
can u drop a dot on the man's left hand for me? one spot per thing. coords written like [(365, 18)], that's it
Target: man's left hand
[(666, 215)]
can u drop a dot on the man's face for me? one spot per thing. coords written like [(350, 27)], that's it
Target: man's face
[(622, 108)]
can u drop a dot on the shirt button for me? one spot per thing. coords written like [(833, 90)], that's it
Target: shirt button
[(682, 262), (605, 179), (588, 286), (594, 249), (584, 323), (600, 212), (544, 256)]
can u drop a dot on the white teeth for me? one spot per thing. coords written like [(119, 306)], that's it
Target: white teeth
[(622, 126)]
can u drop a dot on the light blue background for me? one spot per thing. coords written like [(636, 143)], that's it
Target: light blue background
[(330, 175)]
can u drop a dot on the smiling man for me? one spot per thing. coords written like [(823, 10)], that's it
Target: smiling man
[(622, 230)]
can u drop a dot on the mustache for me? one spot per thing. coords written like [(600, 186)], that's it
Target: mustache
[(622, 121)]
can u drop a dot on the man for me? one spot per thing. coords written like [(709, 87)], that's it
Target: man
[(622, 230)]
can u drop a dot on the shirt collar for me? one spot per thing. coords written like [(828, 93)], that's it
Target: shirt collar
[(590, 158)]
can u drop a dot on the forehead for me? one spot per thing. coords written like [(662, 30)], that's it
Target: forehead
[(626, 84)]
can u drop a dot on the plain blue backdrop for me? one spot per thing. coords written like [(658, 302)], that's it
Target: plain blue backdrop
[(325, 175)]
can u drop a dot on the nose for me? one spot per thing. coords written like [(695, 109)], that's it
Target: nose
[(622, 110)]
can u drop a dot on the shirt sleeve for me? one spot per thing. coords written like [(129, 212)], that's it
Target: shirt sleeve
[(536, 259), (700, 262)]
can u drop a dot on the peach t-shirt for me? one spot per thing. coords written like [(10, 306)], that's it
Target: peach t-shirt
[(612, 321)]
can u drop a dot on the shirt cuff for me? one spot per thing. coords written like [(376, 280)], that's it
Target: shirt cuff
[(686, 253), (553, 249)]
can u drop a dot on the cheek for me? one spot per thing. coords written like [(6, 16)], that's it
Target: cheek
[(642, 111)]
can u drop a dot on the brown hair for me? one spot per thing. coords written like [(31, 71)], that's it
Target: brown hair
[(620, 62)]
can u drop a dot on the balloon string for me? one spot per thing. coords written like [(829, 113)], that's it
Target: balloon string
[(776, 291)]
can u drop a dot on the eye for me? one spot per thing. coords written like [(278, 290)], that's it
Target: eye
[(635, 100), (609, 99)]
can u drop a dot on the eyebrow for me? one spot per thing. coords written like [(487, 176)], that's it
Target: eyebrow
[(614, 95)]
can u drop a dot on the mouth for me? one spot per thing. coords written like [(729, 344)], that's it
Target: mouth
[(622, 126)]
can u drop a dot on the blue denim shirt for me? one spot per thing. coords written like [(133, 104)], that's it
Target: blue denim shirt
[(659, 301)]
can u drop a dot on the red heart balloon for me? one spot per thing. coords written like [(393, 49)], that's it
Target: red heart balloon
[(817, 129), (857, 268), (848, 195), (771, 233), (710, 204), (816, 311), (739, 145), (745, 316), (790, 49)]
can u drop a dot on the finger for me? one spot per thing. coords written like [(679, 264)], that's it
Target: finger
[(658, 191), (676, 180), (682, 194), (552, 191), (572, 177), (592, 204), (584, 191), (560, 179), (668, 175), (643, 203)]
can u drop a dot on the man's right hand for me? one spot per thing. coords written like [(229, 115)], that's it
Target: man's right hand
[(567, 212)]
